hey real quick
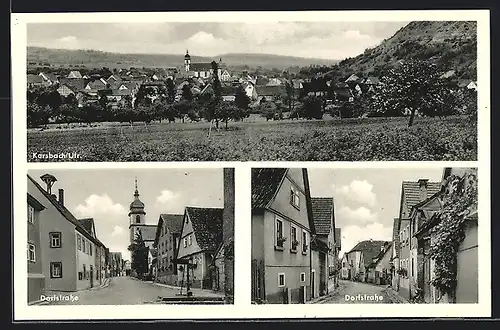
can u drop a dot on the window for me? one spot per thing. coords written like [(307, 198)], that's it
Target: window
[(55, 240), (185, 242), (293, 238), (281, 279), (56, 270), (415, 225), (79, 242), (304, 242), (138, 219), (190, 239), (84, 245), (294, 197), (84, 272), (31, 214), (302, 277), (162, 231), (279, 233), (31, 252), (91, 247)]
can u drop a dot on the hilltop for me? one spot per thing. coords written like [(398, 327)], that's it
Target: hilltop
[(452, 45), (94, 58)]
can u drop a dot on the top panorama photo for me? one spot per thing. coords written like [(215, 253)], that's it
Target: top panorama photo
[(288, 91)]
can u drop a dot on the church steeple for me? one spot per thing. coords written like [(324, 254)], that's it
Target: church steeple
[(136, 213), (136, 193), (187, 61)]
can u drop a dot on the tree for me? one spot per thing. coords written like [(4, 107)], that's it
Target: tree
[(268, 110), (241, 98), (170, 90), (187, 94), (139, 255), (413, 86), (312, 107), (290, 93)]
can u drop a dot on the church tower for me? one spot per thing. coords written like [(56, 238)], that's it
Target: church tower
[(187, 61), (137, 215)]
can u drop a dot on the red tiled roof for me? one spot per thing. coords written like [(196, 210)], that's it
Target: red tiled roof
[(200, 66), (338, 238), (148, 232), (87, 223), (207, 226), (322, 208), (369, 248), (270, 90), (34, 79), (265, 183), (173, 222)]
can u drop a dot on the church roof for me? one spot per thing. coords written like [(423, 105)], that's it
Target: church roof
[(200, 66), (148, 232)]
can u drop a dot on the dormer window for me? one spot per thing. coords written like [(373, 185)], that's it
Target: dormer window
[(137, 219), (294, 197)]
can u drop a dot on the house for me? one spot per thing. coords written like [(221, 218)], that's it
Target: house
[(346, 267), (68, 250), (166, 242), (250, 90), (74, 75), (344, 95), (36, 278), (97, 84), (325, 250), (412, 193), (298, 84), (466, 290), (362, 255), (70, 86), (89, 225), (49, 78), (86, 96), (274, 82), (395, 255), (282, 227), (472, 85), (372, 81), (34, 80), (352, 79), (201, 235), (447, 74), (270, 93), (116, 262), (114, 79), (119, 97), (225, 76), (379, 271)]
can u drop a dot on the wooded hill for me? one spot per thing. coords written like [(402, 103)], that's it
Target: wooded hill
[(94, 58), (450, 44)]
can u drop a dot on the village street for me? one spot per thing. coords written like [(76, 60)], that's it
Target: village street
[(122, 291), (359, 293)]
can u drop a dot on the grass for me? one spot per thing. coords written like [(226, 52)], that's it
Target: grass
[(370, 139)]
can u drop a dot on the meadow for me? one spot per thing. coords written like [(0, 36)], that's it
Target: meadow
[(367, 139)]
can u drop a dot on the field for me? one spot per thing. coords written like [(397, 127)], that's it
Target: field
[(370, 139)]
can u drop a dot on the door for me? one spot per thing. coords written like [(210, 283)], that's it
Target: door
[(427, 279), (313, 284), (91, 276)]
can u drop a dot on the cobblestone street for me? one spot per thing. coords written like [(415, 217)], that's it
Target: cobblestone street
[(359, 293), (123, 291)]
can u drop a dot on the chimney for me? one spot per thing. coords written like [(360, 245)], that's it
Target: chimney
[(61, 196), (423, 188)]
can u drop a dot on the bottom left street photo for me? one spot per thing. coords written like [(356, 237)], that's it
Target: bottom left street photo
[(130, 236)]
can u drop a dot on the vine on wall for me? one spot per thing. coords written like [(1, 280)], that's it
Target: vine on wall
[(458, 201)]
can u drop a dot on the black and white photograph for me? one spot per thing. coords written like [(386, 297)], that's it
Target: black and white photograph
[(263, 91), (128, 237), (358, 236)]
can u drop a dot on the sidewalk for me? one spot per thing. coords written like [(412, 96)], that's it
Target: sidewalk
[(394, 296), (331, 292), (196, 291)]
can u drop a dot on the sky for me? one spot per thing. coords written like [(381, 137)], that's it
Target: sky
[(325, 40), (105, 195), (366, 201)]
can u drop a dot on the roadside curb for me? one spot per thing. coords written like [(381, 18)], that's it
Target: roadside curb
[(173, 287), (106, 283), (327, 296)]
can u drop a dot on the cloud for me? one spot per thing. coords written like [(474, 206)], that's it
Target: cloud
[(354, 34), (118, 231), (201, 38), (70, 42), (358, 191), (352, 235), (98, 205), (361, 215), (167, 196)]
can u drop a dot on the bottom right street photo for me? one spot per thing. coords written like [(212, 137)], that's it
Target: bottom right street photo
[(371, 235)]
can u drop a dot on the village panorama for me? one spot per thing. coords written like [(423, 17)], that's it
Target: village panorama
[(411, 97)]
